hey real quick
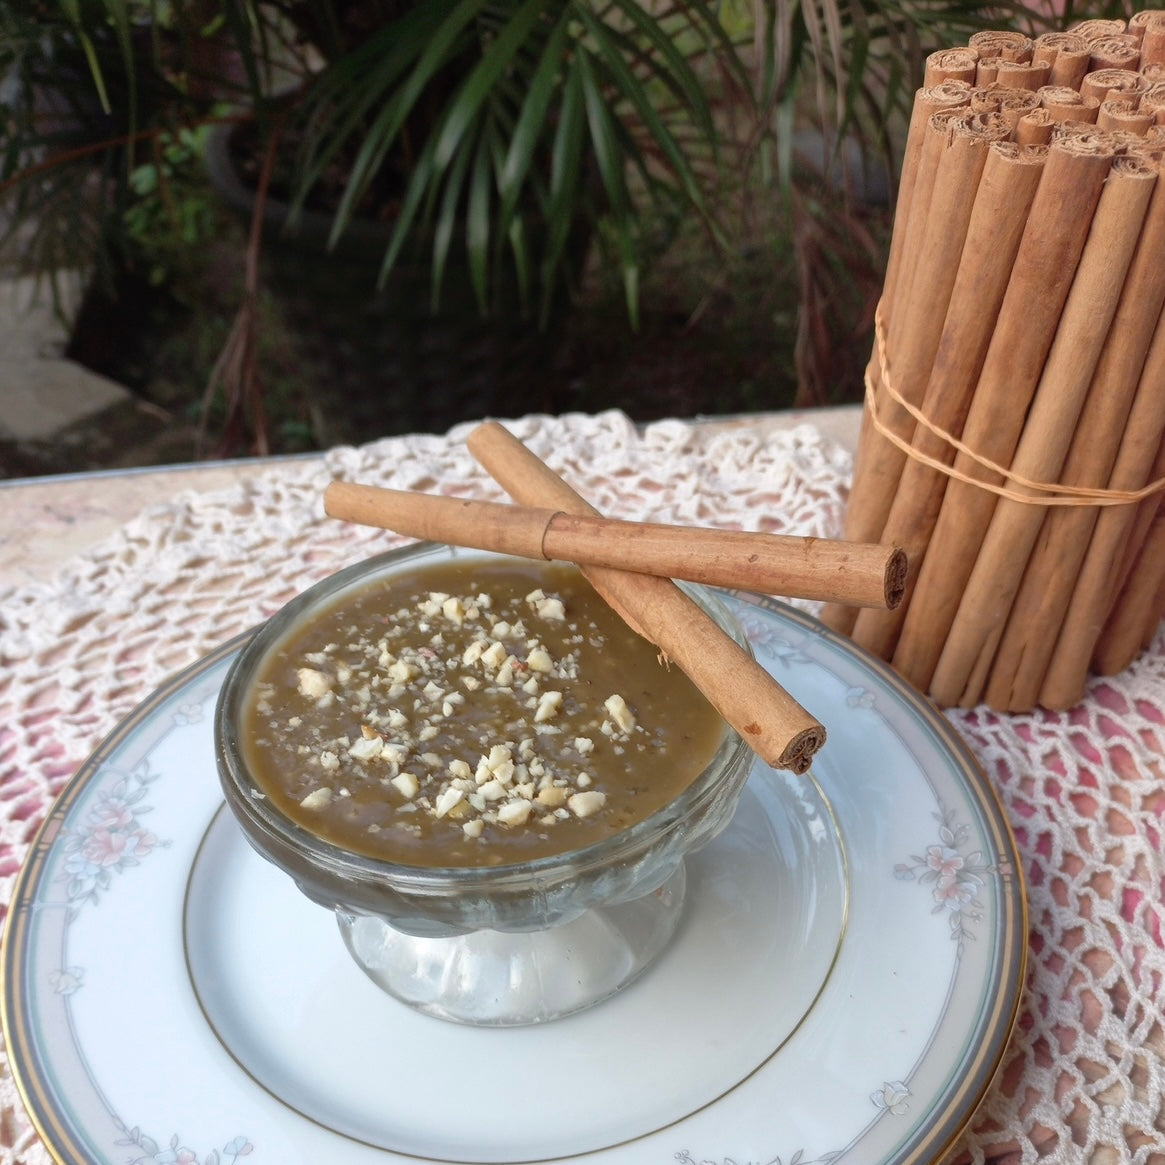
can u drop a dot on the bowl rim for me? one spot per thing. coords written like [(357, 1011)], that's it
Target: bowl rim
[(245, 794)]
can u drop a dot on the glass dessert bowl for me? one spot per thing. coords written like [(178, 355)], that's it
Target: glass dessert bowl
[(499, 938)]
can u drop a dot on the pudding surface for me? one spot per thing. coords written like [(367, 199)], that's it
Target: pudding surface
[(472, 714)]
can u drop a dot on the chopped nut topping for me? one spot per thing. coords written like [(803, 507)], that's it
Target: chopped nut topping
[(401, 671), (549, 705), (317, 798), (447, 799), (515, 812), (621, 715), (313, 683), (550, 609), (367, 748), (407, 785), (494, 655), (584, 804)]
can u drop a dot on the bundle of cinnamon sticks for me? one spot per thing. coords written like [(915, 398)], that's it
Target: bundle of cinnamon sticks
[(1013, 441)]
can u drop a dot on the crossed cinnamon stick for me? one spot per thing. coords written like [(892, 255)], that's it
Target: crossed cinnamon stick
[(632, 565)]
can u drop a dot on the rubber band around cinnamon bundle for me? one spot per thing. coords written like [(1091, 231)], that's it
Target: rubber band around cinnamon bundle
[(1044, 493)]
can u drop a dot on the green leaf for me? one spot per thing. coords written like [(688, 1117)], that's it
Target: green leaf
[(565, 175), (671, 66), (533, 119), (629, 90), (523, 268), (610, 153), (445, 226), (417, 192), (480, 85), (388, 124), (606, 141), (477, 224)]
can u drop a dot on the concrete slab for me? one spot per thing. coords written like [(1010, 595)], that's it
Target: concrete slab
[(40, 391)]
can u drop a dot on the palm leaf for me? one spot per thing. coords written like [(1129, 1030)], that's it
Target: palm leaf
[(532, 121), (480, 85), (477, 222), (634, 94), (566, 167), (445, 225), (388, 124)]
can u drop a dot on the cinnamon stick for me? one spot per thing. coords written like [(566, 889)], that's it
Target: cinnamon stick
[(1045, 264), (1037, 613), (1114, 52), (874, 461), (1088, 607), (953, 158), (1007, 44), (1105, 83), (1011, 102), (1120, 115), (970, 644), (778, 729), (1066, 104), (1022, 74), (806, 568), (1034, 128), (1003, 201), (1152, 38), (1098, 27), (927, 101), (953, 64), (987, 72), (1153, 100), (1147, 509), (1066, 53), (1137, 611), (1138, 22)]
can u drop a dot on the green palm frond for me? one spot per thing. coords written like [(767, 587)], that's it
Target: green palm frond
[(494, 132), (517, 72)]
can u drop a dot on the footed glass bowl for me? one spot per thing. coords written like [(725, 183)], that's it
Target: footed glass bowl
[(504, 944)]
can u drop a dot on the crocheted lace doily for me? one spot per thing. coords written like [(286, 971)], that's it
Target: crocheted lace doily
[(1084, 1076)]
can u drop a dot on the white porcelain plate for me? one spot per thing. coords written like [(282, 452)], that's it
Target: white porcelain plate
[(841, 988)]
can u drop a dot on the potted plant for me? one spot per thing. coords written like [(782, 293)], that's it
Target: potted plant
[(486, 139)]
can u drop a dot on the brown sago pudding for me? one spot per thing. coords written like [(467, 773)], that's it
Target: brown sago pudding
[(474, 713)]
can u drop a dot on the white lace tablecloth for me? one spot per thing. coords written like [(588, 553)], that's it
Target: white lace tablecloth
[(1084, 1077)]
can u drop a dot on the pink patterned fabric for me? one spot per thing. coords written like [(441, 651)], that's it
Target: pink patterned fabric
[(1084, 1076)]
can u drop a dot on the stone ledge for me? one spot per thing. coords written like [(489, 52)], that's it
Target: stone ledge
[(43, 393)]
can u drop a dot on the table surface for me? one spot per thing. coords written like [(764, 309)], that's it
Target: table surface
[(125, 577), (48, 520)]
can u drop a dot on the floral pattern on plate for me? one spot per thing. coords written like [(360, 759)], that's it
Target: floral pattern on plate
[(175, 1153), (111, 838)]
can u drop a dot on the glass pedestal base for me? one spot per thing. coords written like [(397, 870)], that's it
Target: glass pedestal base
[(501, 979)]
